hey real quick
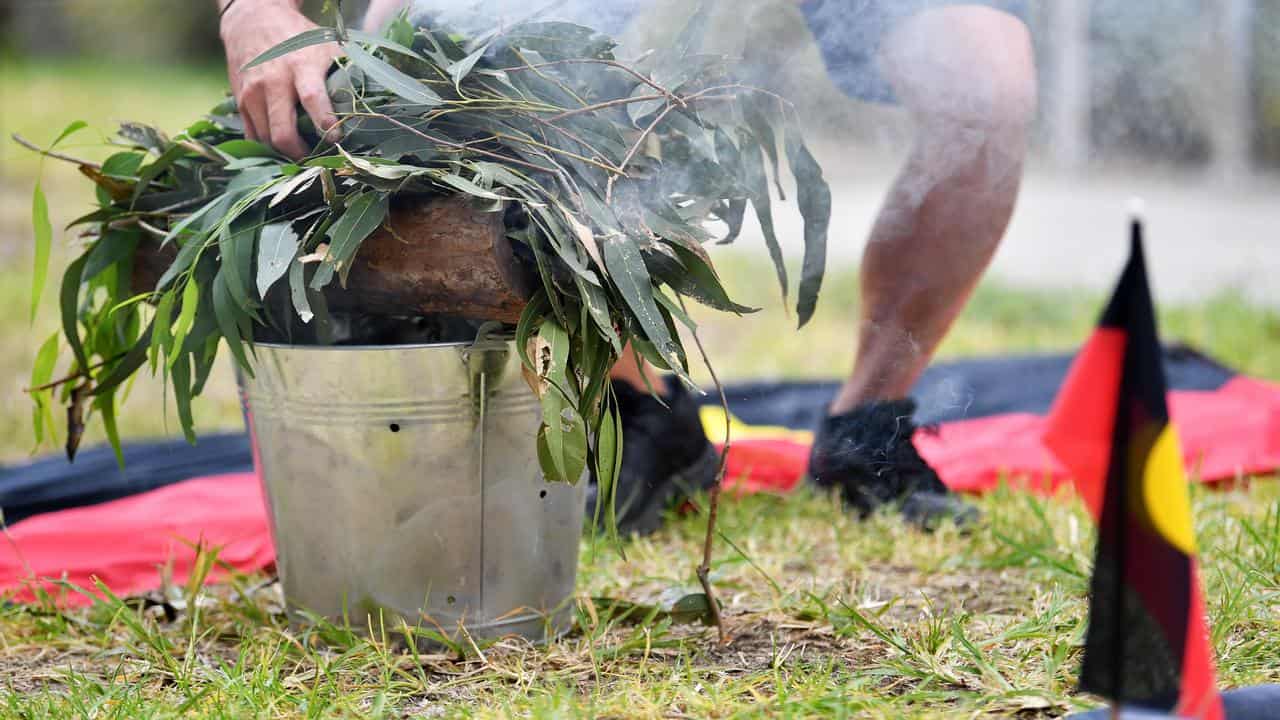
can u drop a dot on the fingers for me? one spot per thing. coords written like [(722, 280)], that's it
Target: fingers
[(283, 118), (266, 102), (268, 99), (315, 100), (252, 103)]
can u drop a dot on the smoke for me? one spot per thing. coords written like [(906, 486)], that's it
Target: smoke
[(1152, 82), (474, 16)]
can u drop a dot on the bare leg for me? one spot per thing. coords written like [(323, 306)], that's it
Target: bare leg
[(967, 75)]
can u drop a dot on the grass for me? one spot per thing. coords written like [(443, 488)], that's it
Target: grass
[(831, 617)]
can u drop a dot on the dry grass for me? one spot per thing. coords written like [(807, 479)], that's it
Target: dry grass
[(829, 617)]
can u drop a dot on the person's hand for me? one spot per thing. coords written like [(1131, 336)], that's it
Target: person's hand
[(268, 95)]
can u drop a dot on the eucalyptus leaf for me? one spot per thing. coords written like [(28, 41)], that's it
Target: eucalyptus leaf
[(627, 268), (190, 220), (462, 68), (677, 312), (527, 327), (114, 374), (112, 248), (156, 168), (608, 468), (224, 312), (204, 364), (297, 184), (363, 215), (758, 185), (814, 197), (43, 240), (241, 149), (248, 162), (305, 39), (42, 400), (186, 318), (181, 376), (321, 36), (390, 78), (75, 127), (277, 246), (298, 292), (563, 435), (236, 244), (162, 337), (69, 302), (756, 111), (690, 275)]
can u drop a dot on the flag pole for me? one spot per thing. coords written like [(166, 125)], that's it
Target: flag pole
[(1137, 208)]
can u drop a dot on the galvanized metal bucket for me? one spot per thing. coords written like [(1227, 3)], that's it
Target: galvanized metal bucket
[(403, 484)]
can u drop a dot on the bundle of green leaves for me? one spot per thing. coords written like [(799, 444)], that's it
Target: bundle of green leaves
[(613, 176)]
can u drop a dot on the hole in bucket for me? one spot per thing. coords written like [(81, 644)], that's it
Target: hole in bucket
[(395, 427), (451, 599), (542, 493)]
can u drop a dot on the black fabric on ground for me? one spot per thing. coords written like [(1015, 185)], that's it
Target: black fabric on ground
[(947, 391), (957, 390), (52, 483)]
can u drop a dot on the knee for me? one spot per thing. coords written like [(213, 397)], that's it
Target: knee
[(1008, 97), (968, 65)]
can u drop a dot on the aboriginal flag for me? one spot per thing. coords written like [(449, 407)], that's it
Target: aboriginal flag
[(1147, 641)]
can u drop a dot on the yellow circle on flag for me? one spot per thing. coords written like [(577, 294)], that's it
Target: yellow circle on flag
[(1165, 495)]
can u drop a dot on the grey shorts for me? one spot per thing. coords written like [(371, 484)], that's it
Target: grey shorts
[(849, 33)]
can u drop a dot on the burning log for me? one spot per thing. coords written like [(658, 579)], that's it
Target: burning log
[(440, 256)]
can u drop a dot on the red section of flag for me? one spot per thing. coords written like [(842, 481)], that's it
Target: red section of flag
[(1199, 697), (1082, 421)]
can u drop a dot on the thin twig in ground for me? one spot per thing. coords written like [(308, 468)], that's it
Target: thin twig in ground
[(713, 497), (704, 570)]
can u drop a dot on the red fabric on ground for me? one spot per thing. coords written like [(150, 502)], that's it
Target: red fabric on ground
[(126, 543), (1227, 434), (765, 465)]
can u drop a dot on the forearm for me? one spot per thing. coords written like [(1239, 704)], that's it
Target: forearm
[(224, 5), (380, 11), (228, 8)]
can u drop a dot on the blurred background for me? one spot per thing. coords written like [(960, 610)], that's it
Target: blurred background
[(1176, 101)]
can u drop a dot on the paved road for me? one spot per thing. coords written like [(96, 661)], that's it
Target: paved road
[(1070, 231)]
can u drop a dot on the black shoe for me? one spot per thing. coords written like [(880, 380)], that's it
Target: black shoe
[(666, 457), (869, 455)]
